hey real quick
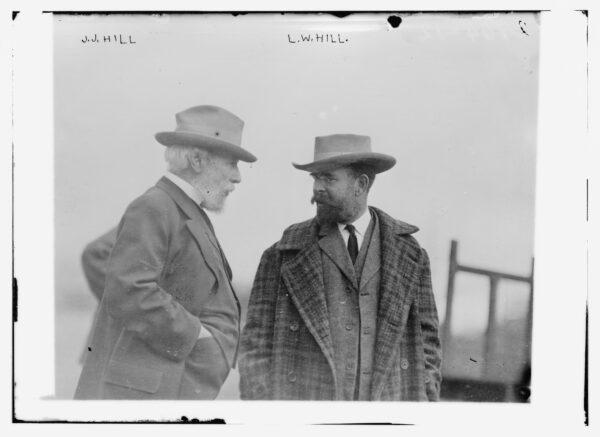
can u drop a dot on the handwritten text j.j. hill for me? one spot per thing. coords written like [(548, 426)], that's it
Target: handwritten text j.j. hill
[(117, 38), (320, 38)]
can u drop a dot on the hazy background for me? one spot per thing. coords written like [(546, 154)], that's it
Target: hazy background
[(452, 97)]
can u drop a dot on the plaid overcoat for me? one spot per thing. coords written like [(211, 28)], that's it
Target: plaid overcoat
[(286, 348)]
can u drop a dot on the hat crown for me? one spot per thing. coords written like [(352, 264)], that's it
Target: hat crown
[(211, 121), (341, 144)]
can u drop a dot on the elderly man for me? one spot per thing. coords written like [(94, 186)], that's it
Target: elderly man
[(342, 307), (168, 322)]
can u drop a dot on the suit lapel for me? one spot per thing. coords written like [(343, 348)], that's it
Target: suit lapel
[(302, 275), (372, 261), (199, 228), (195, 223), (332, 244), (396, 288), (200, 234)]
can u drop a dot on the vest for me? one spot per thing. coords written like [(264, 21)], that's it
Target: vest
[(352, 294)]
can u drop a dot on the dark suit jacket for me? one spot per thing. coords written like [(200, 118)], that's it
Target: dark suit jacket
[(286, 347), (165, 277)]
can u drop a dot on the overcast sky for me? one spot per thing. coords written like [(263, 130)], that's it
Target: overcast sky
[(452, 97)]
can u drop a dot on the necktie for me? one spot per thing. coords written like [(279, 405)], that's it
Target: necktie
[(352, 243)]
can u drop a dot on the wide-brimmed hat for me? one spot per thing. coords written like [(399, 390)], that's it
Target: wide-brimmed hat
[(208, 127), (344, 149)]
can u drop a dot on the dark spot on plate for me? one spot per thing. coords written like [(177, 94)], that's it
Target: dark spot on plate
[(394, 21)]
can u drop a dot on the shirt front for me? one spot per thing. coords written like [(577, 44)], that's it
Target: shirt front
[(360, 224)]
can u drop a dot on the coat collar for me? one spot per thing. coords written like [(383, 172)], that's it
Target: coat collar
[(304, 233), (187, 205), (190, 208)]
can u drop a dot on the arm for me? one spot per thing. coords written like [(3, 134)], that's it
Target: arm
[(257, 336), (132, 293), (429, 328), (94, 260)]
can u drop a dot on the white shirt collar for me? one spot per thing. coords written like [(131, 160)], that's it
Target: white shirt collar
[(360, 224), (185, 186)]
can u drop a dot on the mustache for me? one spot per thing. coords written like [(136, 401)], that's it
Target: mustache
[(322, 199)]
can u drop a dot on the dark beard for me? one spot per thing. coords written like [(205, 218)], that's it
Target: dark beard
[(328, 211), (328, 214)]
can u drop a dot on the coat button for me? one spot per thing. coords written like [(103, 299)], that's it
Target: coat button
[(404, 364), (292, 376), (294, 327), (427, 380), (349, 327)]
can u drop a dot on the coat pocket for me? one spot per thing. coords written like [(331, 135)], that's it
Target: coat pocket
[(134, 377)]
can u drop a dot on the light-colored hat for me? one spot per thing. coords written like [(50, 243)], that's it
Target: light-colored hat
[(208, 127), (344, 149)]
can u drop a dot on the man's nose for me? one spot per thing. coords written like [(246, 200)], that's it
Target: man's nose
[(318, 186), (236, 176)]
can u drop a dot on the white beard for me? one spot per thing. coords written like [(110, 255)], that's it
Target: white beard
[(212, 199)]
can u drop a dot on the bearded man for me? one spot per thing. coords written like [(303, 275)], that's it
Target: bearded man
[(342, 306), (168, 322)]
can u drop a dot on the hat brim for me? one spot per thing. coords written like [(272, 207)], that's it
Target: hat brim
[(204, 142), (378, 161)]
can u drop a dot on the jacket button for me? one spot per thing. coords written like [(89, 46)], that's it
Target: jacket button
[(427, 380), (294, 327), (404, 364), (349, 327), (292, 376)]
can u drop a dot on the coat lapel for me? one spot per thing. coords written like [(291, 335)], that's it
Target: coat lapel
[(195, 223), (200, 234), (302, 274), (372, 262), (200, 230), (332, 244), (396, 288)]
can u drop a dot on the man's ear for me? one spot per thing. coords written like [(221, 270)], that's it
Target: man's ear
[(362, 184), (195, 160)]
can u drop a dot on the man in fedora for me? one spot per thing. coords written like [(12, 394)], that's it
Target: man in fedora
[(342, 307), (168, 322)]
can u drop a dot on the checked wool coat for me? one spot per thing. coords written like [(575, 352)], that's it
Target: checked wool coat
[(286, 346)]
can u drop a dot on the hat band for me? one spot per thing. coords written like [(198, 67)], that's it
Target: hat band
[(212, 132), (326, 155)]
